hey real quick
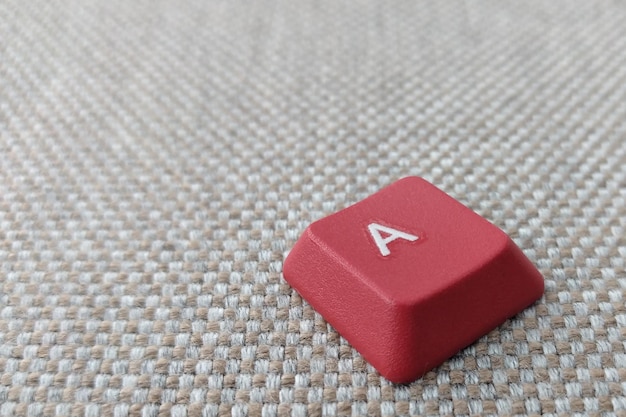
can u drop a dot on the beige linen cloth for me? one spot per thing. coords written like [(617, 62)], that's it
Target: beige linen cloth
[(159, 158)]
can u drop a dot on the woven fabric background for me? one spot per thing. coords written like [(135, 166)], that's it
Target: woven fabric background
[(159, 158)]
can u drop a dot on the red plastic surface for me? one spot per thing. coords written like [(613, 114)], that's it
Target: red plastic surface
[(409, 276)]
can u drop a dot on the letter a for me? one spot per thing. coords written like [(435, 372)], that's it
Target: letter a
[(394, 234)]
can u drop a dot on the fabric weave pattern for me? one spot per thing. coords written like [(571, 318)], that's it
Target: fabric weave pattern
[(158, 159)]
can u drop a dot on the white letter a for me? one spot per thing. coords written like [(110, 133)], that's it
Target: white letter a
[(394, 234)]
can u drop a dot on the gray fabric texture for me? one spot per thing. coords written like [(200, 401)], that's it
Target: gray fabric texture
[(158, 159)]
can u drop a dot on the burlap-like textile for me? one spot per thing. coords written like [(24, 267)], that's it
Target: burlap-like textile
[(159, 158)]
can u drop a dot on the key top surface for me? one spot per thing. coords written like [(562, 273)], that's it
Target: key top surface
[(409, 276)]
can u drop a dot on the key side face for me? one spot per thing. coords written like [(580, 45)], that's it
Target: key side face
[(451, 239)]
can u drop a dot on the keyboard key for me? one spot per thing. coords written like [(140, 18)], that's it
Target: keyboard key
[(409, 276)]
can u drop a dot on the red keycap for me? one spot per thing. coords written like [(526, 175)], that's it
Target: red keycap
[(409, 276)]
